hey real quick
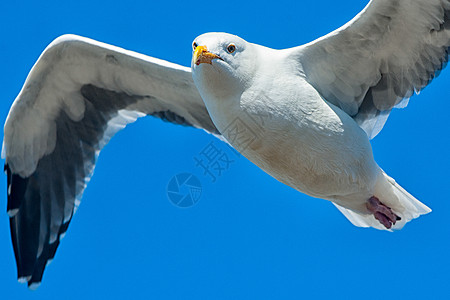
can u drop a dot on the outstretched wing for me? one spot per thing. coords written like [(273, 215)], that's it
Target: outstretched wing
[(377, 60), (77, 96)]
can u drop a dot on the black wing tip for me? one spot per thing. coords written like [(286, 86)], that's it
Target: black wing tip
[(34, 275), (32, 285), (23, 210)]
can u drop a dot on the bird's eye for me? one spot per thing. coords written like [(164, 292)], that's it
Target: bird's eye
[(231, 48), (194, 45)]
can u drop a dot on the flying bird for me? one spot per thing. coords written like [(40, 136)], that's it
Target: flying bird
[(304, 115)]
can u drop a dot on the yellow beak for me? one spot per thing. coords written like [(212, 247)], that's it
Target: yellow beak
[(201, 55)]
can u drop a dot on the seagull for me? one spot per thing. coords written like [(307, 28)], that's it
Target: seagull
[(304, 115)]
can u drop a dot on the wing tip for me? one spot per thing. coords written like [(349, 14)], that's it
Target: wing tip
[(23, 279), (12, 212), (34, 285)]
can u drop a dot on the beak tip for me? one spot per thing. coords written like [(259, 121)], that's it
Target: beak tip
[(202, 55)]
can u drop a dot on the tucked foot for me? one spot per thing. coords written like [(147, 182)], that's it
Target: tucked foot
[(382, 213)]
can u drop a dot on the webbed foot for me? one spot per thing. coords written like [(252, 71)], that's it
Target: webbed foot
[(381, 212)]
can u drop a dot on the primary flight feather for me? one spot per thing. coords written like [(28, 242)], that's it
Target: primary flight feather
[(304, 115)]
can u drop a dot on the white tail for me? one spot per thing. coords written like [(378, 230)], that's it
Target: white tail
[(397, 198)]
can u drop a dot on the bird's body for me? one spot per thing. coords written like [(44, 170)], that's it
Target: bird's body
[(296, 135), (304, 115)]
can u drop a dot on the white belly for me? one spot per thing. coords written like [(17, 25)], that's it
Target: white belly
[(302, 141)]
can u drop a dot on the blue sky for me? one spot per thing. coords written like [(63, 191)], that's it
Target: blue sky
[(248, 236)]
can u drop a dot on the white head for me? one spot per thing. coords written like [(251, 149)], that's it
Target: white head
[(223, 65)]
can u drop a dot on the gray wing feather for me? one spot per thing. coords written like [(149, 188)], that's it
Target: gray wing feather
[(392, 49)]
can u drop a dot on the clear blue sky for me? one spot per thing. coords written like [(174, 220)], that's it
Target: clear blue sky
[(249, 236)]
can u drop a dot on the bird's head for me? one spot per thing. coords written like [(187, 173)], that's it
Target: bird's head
[(222, 64)]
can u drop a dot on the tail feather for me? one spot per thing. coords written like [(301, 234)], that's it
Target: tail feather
[(413, 207), (359, 219), (393, 195)]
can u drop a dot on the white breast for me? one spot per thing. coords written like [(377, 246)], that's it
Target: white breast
[(298, 138)]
